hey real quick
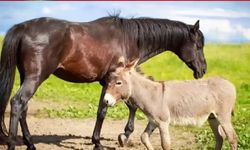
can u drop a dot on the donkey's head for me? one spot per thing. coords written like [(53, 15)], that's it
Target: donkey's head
[(191, 51), (118, 83)]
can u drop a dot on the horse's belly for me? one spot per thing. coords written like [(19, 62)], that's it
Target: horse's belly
[(77, 77), (82, 68)]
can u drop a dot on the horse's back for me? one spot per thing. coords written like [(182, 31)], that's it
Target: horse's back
[(42, 32), (73, 51)]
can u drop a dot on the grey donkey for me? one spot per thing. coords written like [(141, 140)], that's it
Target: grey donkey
[(179, 102)]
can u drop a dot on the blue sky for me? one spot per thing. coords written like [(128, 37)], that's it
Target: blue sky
[(225, 22)]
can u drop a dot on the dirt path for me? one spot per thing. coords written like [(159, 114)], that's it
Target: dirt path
[(75, 134)]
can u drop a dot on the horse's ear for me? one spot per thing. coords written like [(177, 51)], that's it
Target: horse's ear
[(131, 65), (196, 27)]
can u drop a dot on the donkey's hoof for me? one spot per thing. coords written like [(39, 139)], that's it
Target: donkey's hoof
[(123, 140)]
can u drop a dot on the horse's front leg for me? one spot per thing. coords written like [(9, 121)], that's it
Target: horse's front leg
[(101, 113), (146, 135), (123, 138)]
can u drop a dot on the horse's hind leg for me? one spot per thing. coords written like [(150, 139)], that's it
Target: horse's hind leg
[(215, 126), (18, 110), (26, 134), (123, 137)]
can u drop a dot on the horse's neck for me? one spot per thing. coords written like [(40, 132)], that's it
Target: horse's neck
[(148, 51), (144, 90), (149, 38), (145, 55)]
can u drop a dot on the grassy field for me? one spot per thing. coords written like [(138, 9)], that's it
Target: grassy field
[(229, 61)]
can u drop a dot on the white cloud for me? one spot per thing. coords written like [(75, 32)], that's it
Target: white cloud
[(223, 30), (162, 9), (61, 8), (46, 10), (244, 31), (219, 9), (216, 12), (64, 7), (217, 25)]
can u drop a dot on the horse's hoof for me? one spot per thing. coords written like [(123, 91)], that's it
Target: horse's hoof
[(11, 145), (123, 140), (31, 147), (98, 147), (11, 148)]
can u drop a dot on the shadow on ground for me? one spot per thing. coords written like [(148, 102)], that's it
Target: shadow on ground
[(58, 140)]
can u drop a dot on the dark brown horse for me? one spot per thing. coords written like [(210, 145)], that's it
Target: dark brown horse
[(86, 52)]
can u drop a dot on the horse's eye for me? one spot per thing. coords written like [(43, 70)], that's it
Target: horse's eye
[(118, 82)]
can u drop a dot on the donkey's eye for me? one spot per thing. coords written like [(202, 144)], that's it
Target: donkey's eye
[(118, 83)]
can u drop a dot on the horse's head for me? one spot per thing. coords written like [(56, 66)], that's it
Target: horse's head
[(191, 51)]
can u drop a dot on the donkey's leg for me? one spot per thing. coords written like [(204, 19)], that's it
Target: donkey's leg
[(19, 105), (226, 124), (231, 134), (146, 134), (101, 113), (123, 137), (165, 137), (215, 126)]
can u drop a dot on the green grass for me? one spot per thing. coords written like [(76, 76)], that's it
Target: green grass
[(1, 41), (229, 61)]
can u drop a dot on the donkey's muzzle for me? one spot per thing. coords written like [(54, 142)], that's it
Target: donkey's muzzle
[(109, 100)]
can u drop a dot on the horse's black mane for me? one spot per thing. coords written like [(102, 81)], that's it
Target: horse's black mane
[(154, 33)]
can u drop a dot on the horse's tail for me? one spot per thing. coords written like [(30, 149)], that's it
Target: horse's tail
[(7, 70)]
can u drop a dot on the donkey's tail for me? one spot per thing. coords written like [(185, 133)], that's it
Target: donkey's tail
[(7, 70)]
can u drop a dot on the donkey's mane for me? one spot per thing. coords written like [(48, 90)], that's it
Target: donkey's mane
[(139, 71)]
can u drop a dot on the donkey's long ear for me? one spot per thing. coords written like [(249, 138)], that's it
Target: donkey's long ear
[(195, 27), (121, 62), (131, 65)]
